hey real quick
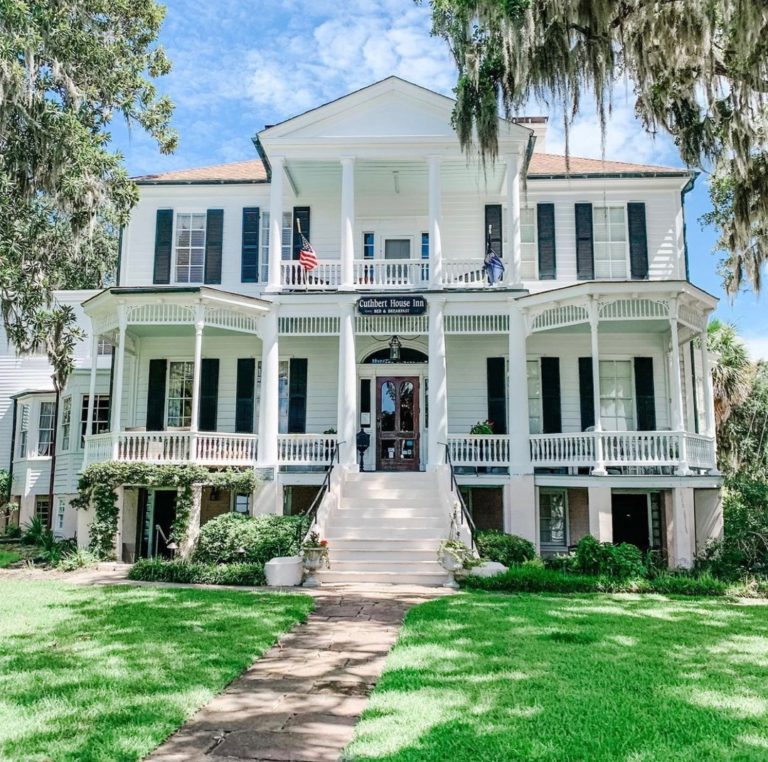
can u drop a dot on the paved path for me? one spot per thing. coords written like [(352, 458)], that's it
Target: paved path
[(301, 700)]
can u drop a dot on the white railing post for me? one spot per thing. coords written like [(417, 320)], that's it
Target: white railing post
[(268, 408), (438, 386), (513, 220), (194, 423), (117, 390), (347, 221), (677, 389), (594, 327), (275, 223)]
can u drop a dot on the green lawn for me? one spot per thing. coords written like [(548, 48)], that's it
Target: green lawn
[(634, 678), (108, 673), (8, 557)]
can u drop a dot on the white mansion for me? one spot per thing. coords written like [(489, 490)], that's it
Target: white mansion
[(218, 347)]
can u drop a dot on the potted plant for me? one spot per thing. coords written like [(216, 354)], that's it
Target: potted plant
[(453, 556), (481, 428), (314, 553)]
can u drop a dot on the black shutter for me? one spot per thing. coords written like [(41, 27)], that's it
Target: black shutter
[(585, 250), (246, 376), (493, 221), (297, 397), (249, 262), (163, 244), (644, 392), (209, 394), (300, 213), (586, 393), (550, 395), (156, 395), (638, 241), (214, 239), (545, 224), (496, 371)]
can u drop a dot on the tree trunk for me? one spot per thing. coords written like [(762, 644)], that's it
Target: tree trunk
[(55, 438)]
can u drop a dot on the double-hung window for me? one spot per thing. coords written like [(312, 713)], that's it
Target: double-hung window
[(369, 247), (180, 379), (283, 394), (286, 253), (61, 508), (100, 416), (45, 429), (617, 404), (553, 519), (42, 508), (533, 372), (528, 251), (190, 247), (66, 422), (104, 347), (23, 430), (610, 242)]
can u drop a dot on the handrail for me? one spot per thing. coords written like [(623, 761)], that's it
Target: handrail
[(311, 512), (465, 514)]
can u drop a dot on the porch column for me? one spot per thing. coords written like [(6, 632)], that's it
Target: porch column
[(678, 419), (117, 389), (91, 391), (347, 391), (513, 220), (438, 386), (194, 423), (517, 400), (709, 397), (275, 223), (268, 406), (347, 222), (594, 325), (435, 240)]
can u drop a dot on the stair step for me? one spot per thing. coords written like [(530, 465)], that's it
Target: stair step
[(386, 545), (382, 492), (358, 533), (342, 555), (399, 567), (393, 479), (428, 579), (382, 523), (372, 509)]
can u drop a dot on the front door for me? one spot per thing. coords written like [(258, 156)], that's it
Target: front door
[(397, 430), (630, 519), (163, 518)]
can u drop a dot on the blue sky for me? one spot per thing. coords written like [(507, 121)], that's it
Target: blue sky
[(240, 65)]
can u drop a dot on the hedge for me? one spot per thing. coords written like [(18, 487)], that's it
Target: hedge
[(157, 570)]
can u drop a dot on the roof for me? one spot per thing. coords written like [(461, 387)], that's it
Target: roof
[(542, 165)]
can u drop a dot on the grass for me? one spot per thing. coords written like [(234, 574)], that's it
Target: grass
[(8, 557), (107, 673), (638, 678)]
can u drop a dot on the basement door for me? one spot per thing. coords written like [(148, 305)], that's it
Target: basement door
[(397, 418)]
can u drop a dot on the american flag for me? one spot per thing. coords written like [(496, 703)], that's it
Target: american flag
[(307, 255)]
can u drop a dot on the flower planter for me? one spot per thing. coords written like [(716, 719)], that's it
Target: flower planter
[(313, 559), (285, 571)]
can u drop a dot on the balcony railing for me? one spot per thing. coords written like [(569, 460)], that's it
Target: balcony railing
[(479, 450), (305, 449)]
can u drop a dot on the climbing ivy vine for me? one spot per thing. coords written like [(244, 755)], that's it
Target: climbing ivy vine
[(98, 484)]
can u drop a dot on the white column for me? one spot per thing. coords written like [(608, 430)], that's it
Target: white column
[(438, 386), (517, 398), (269, 397), (347, 391), (117, 389), (681, 538), (435, 240), (678, 419), (91, 390), (275, 223), (197, 371), (347, 222), (594, 325), (600, 513), (514, 253), (706, 377)]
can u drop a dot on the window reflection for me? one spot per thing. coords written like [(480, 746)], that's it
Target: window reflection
[(388, 406)]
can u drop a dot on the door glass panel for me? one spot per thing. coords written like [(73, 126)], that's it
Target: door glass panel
[(397, 248), (406, 406), (409, 449), (388, 402), (388, 449)]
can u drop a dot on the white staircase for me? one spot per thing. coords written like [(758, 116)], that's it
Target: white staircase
[(387, 528)]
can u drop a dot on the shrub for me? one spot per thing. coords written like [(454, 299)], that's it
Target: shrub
[(34, 532), (507, 549), (625, 560), (261, 537), (76, 559), (592, 557), (157, 570)]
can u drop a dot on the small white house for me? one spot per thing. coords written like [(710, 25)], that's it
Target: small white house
[(585, 355)]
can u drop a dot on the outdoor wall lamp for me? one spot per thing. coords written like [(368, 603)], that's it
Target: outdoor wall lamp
[(394, 349)]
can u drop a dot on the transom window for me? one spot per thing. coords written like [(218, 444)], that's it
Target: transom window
[(66, 422), (553, 519), (617, 405), (190, 247), (528, 252), (610, 241), (533, 372), (180, 378), (100, 415), (45, 429)]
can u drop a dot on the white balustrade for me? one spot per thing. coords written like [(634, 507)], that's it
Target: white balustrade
[(217, 449), (153, 446), (700, 451), (390, 273), (555, 450), (479, 450), (325, 276), (465, 272), (305, 449), (98, 448)]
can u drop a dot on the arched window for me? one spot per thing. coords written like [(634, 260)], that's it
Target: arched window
[(407, 356)]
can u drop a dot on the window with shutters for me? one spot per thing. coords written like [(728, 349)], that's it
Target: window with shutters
[(66, 422), (100, 416), (45, 429), (528, 251), (285, 248), (533, 371), (610, 242), (23, 430), (284, 377), (617, 398), (180, 375), (553, 519), (190, 247)]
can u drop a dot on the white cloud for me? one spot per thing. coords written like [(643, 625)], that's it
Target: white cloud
[(757, 346)]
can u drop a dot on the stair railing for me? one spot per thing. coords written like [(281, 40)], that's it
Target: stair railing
[(464, 515), (310, 515)]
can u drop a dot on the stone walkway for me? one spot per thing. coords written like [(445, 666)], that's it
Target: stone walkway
[(301, 700)]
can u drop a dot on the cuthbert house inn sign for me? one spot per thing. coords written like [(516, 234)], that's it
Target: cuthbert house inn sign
[(392, 305)]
